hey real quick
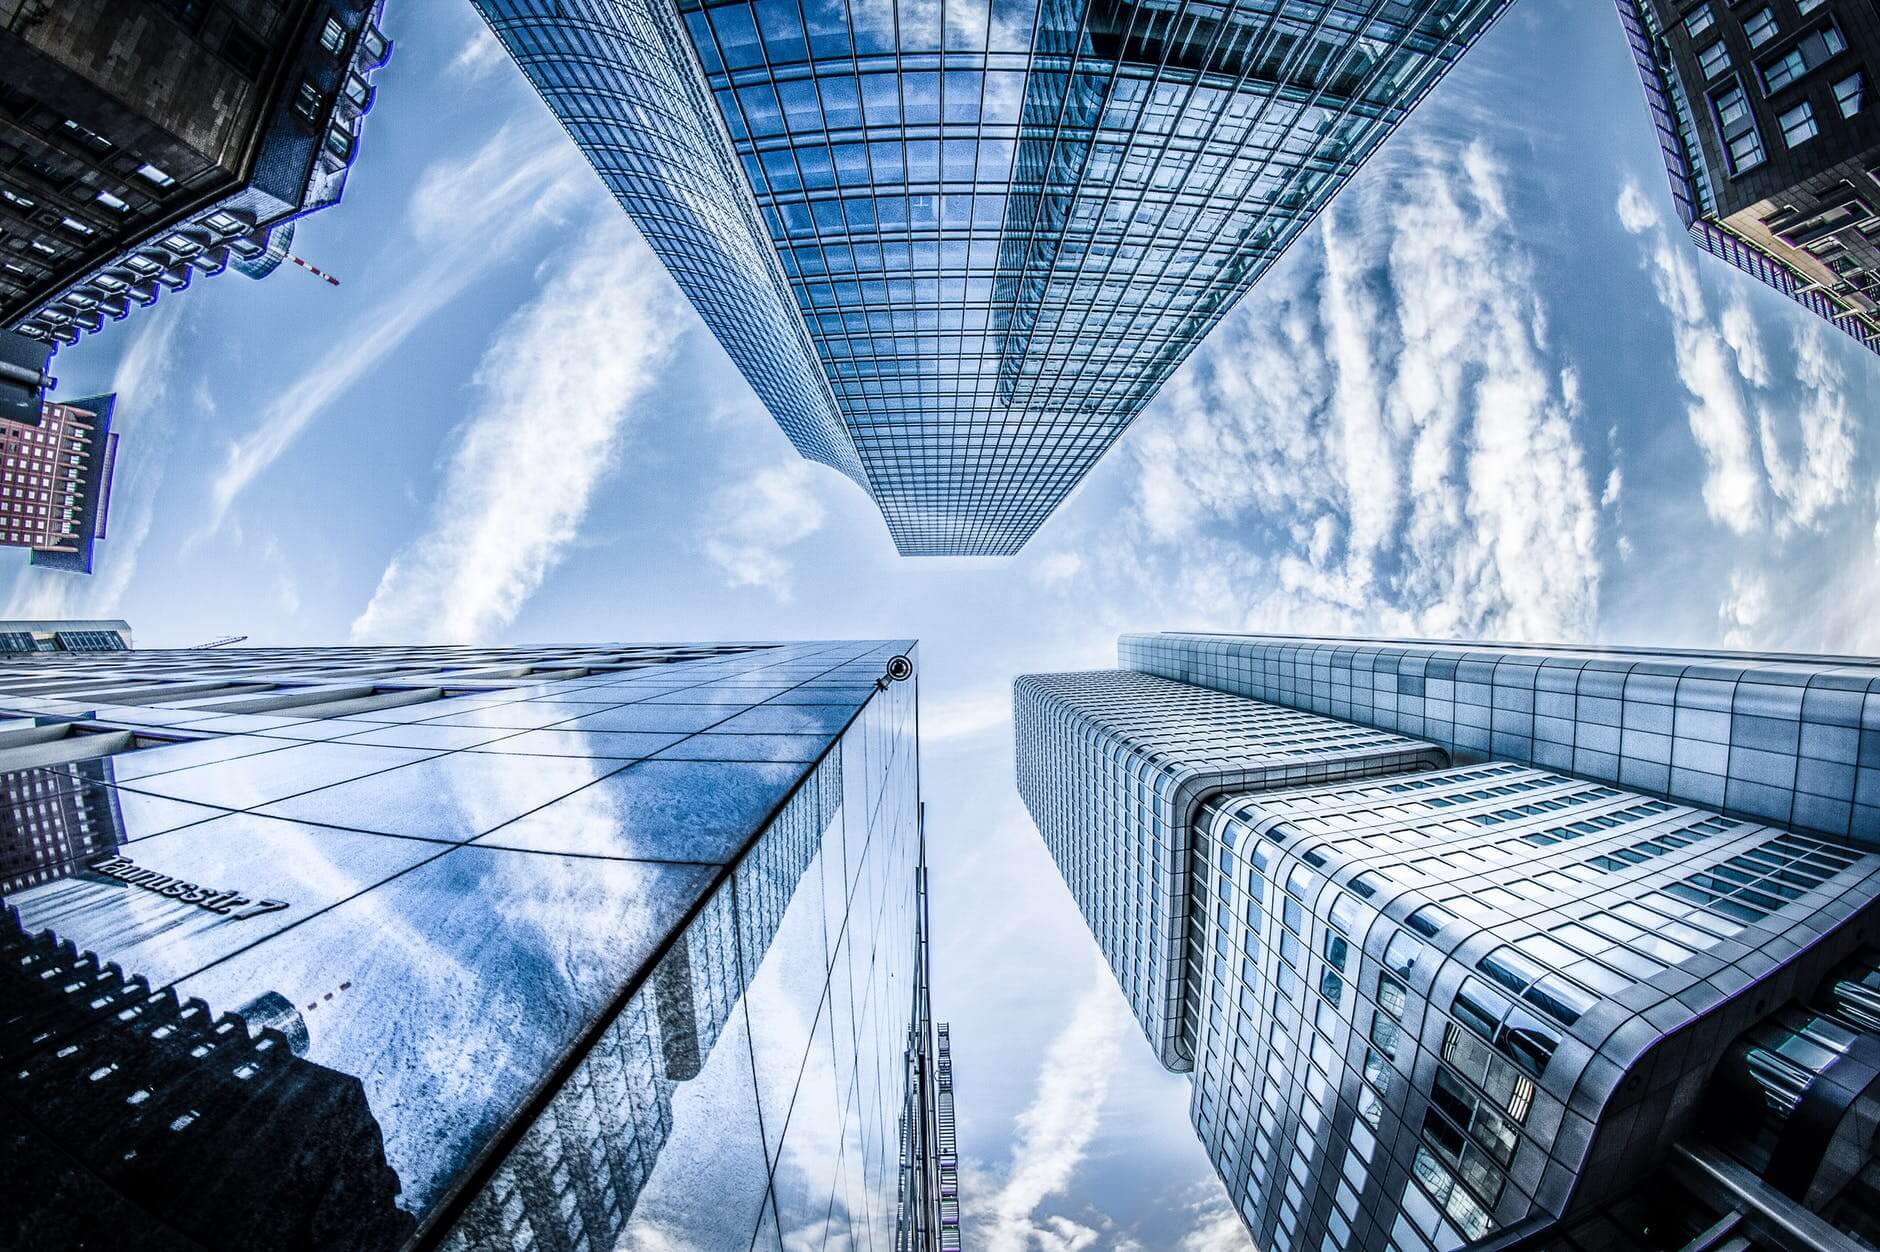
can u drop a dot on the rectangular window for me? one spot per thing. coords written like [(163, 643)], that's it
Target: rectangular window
[(1814, 48), (1760, 27), (112, 202), (307, 102), (151, 174), (1851, 94), (1808, 6), (1713, 59), (90, 138), (332, 36), (77, 227), (1784, 70), (1738, 127), (1698, 21), (1798, 124)]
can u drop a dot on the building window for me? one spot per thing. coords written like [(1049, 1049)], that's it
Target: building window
[(91, 138), (1714, 59), (1760, 27), (332, 36), (222, 223), (1815, 47), (14, 198), (1808, 6), (1698, 21), (1784, 70), (1851, 94), (76, 227), (1738, 127), (1798, 124), (156, 177), (113, 203), (307, 102)]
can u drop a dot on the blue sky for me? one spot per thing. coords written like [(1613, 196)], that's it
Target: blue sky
[(1492, 394)]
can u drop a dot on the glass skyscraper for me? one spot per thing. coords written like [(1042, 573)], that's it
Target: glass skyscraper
[(469, 948), (957, 248), (1438, 985)]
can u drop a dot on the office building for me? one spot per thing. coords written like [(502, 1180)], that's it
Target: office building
[(466, 948), (1765, 116), (956, 250), (62, 635), (147, 143), (55, 490), (928, 1201), (1438, 985)]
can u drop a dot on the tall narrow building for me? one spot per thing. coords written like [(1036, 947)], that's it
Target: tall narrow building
[(55, 490), (1461, 945), (148, 143), (956, 249), (452, 947), (1765, 115)]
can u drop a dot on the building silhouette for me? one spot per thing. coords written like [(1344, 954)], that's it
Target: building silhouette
[(136, 1117), (1450, 964), (955, 254)]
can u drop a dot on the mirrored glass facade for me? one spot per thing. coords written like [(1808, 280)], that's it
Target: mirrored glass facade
[(956, 249), (457, 947), (1430, 1003)]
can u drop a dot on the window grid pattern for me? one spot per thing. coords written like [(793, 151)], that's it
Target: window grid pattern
[(1003, 223), (1793, 741), (1112, 765), (623, 82), (667, 889), (1365, 1080)]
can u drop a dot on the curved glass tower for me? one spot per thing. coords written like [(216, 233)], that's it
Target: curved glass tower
[(957, 248), (1523, 949)]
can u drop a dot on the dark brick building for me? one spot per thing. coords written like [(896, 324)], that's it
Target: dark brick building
[(146, 142), (1765, 112)]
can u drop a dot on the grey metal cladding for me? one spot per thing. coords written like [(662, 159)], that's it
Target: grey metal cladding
[(1780, 738), (1114, 765)]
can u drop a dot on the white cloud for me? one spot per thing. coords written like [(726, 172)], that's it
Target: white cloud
[(750, 523), (481, 56), (1822, 475), (466, 215), (1381, 436), (1744, 609), (1215, 1227), (556, 389), (965, 716), (1636, 213), (1752, 481), (1738, 325), (1615, 483), (1707, 366), (143, 419), (1055, 1130), (1057, 568)]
